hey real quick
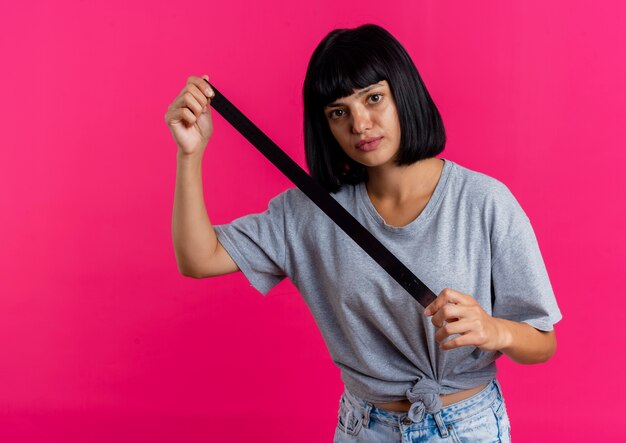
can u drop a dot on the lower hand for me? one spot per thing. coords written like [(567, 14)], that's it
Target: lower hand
[(454, 313)]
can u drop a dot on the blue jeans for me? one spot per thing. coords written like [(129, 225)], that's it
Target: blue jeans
[(479, 418)]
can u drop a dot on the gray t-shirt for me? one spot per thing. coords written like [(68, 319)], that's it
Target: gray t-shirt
[(472, 236)]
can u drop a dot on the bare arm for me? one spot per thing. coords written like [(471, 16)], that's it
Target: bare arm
[(524, 344), (198, 252)]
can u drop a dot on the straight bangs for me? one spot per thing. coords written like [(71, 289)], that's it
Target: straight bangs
[(342, 72)]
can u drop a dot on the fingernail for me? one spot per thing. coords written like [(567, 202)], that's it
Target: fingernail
[(427, 312)]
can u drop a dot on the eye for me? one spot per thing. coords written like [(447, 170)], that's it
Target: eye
[(336, 113), (375, 98)]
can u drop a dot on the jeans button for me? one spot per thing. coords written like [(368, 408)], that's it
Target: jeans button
[(407, 421)]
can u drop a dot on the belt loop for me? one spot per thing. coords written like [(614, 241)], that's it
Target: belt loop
[(498, 387), (443, 430), (366, 414)]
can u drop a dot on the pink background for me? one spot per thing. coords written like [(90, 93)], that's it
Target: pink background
[(102, 340)]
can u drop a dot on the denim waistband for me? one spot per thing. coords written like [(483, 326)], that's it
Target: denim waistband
[(448, 414)]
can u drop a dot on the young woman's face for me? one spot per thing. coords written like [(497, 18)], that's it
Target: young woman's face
[(366, 124)]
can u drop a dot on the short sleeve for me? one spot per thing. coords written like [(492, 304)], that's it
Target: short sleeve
[(521, 288), (256, 243)]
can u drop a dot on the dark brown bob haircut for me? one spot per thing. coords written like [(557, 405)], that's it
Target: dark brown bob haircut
[(349, 59)]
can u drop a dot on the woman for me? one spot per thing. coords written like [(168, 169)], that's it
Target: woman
[(372, 134)]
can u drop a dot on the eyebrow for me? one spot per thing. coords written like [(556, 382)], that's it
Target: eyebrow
[(358, 95)]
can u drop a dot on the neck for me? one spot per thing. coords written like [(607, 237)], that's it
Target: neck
[(403, 183)]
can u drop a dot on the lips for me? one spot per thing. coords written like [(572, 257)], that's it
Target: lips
[(367, 144)]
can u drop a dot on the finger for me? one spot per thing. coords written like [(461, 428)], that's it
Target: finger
[(469, 339), (448, 313), (436, 304), (447, 295), (457, 327), (195, 90), (183, 101), (187, 97), (200, 95), (208, 90), (193, 99), (202, 83), (181, 115)]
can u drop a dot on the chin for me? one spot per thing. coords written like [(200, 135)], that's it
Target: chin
[(374, 161)]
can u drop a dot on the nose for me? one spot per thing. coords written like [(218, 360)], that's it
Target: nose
[(361, 121)]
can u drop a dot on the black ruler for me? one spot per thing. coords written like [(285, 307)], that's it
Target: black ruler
[(342, 218)]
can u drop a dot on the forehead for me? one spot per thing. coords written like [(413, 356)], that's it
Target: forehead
[(358, 93)]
